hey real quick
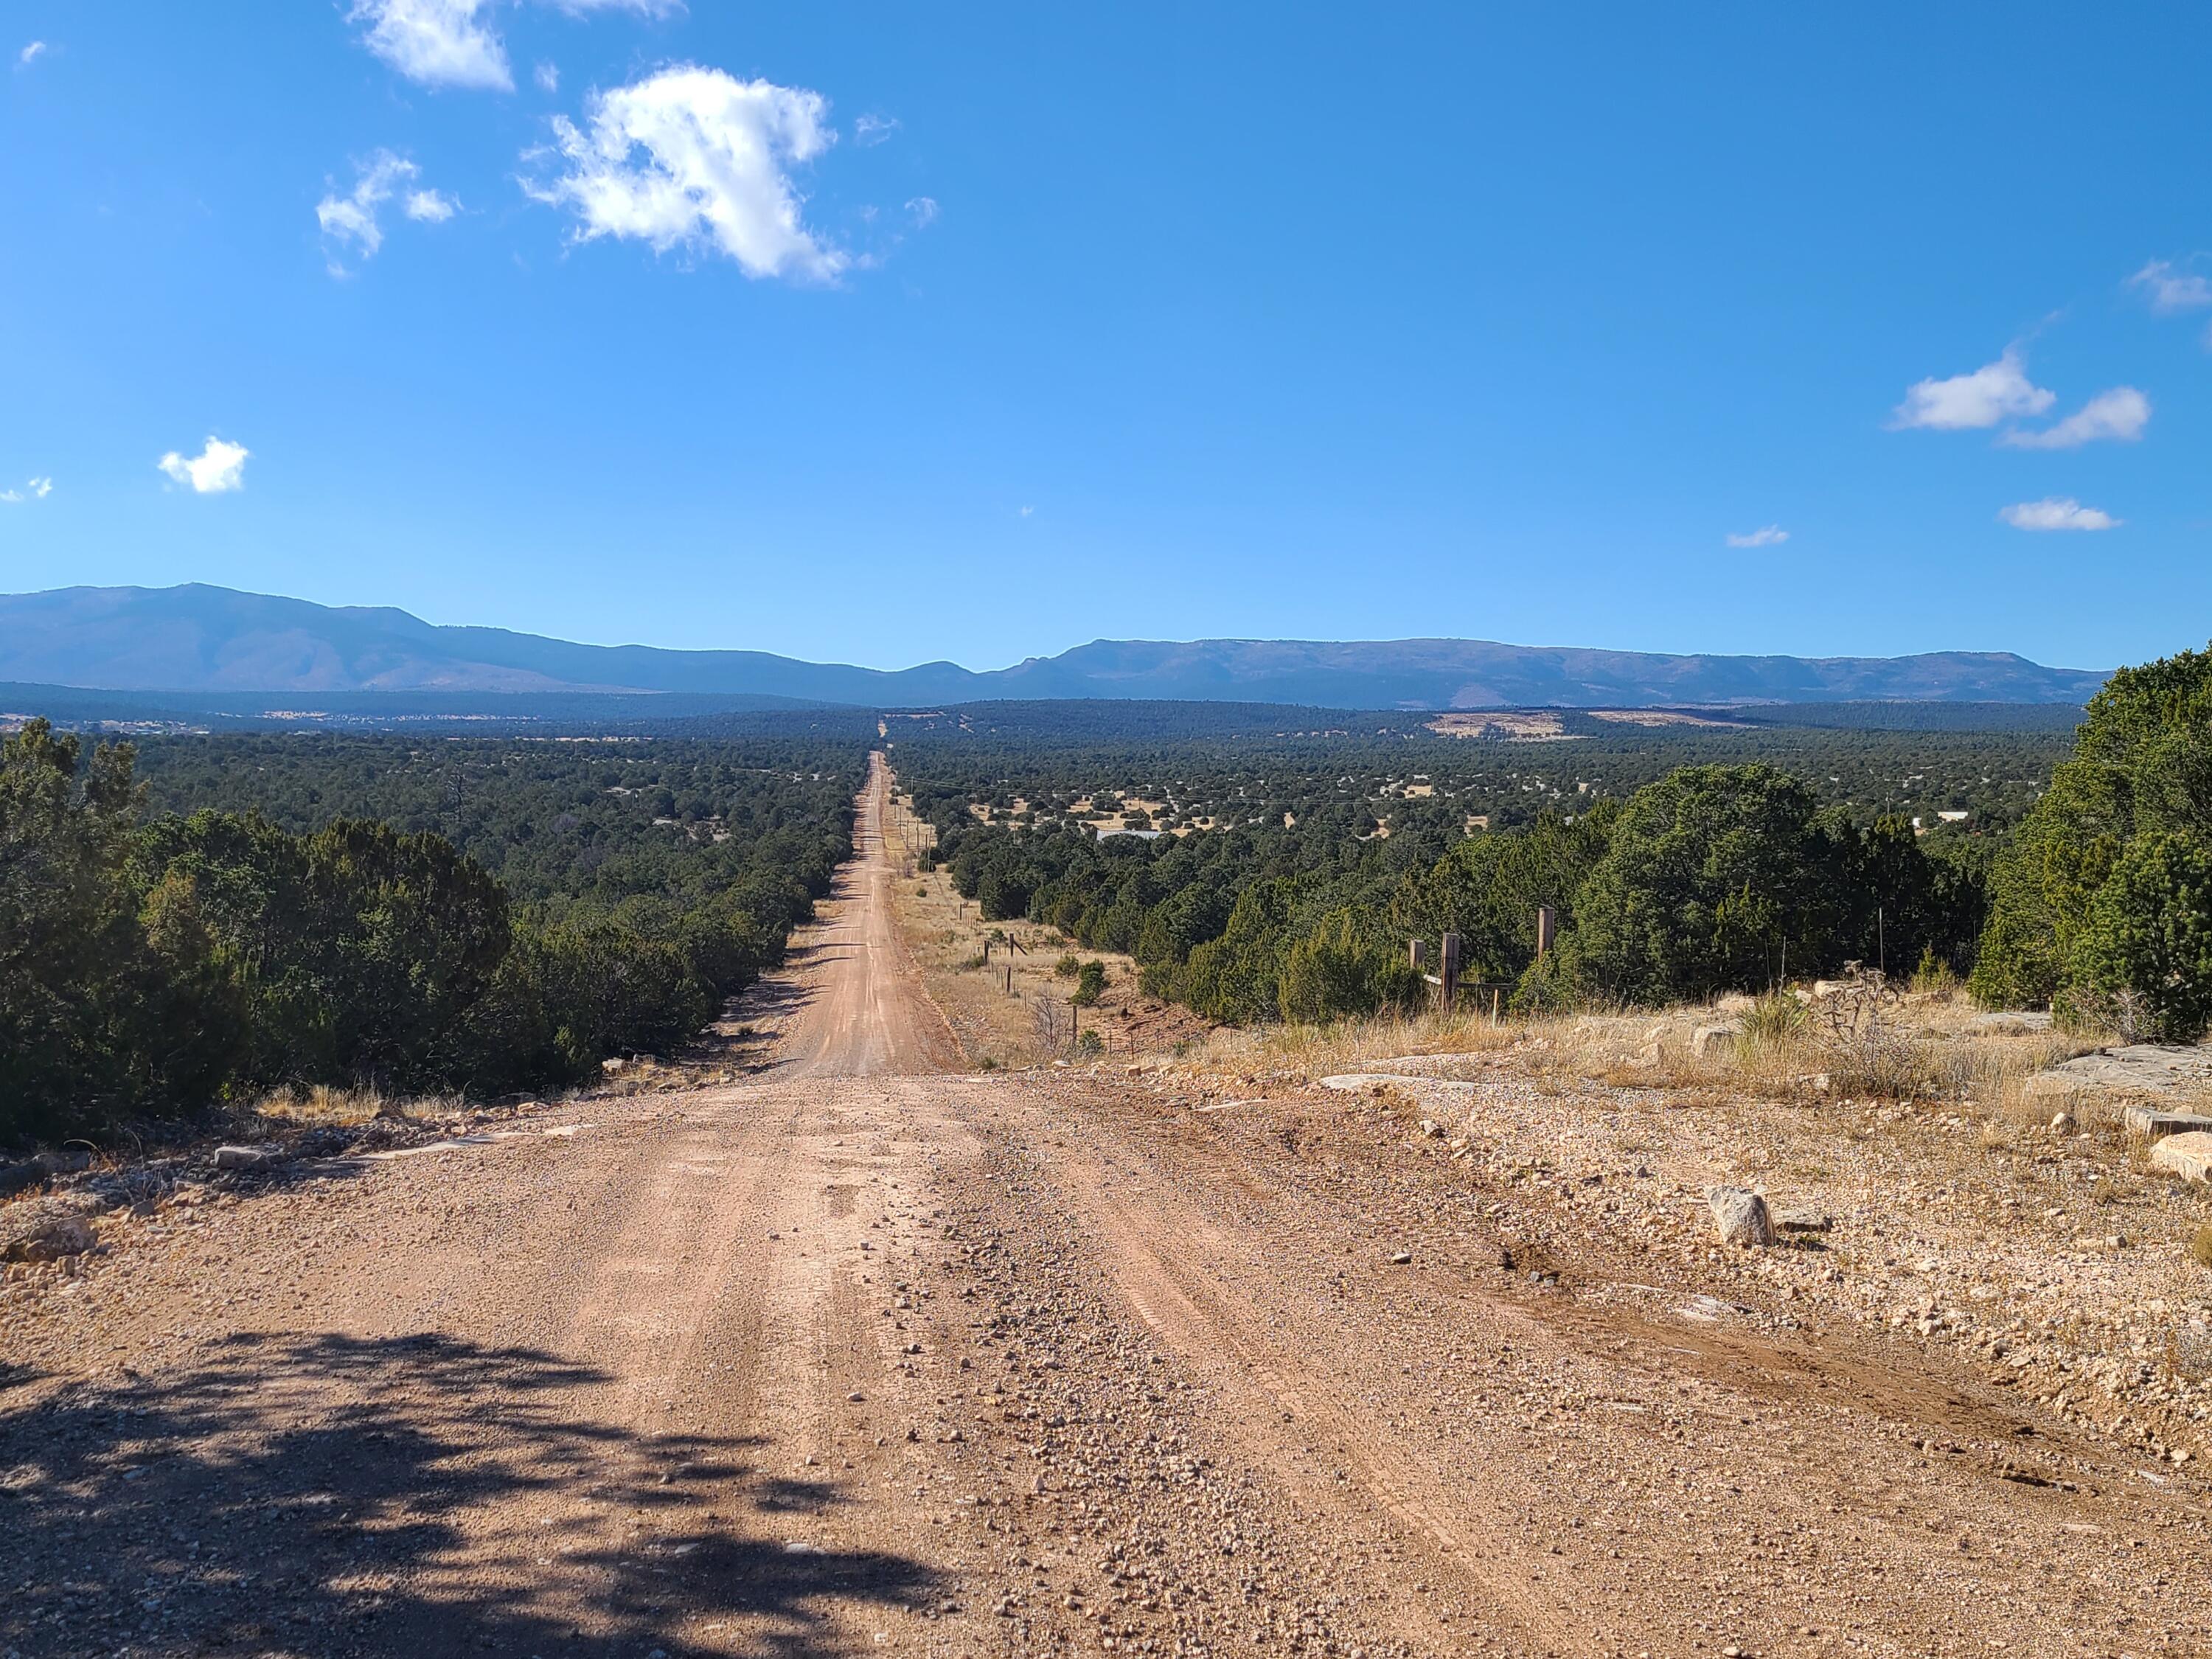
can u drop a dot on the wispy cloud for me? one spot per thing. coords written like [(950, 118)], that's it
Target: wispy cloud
[(31, 54), (2119, 415), (922, 209), (37, 490), (869, 130), (451, 43), (1771, 535), (353, 220), (2057, 512), (2169, 288), (548, 76), (693, 156), (219, 467), (1996, 391)]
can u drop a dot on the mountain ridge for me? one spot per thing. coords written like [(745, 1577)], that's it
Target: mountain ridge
[(195, 637)]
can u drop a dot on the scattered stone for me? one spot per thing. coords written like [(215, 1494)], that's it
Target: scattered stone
[(2171, 1070), (1707, 1038), (1741, 1216), (2064, 1123), (2154, 1123), (248, 1158), (43, 1229), (1804, 1221), (1401, 1258)]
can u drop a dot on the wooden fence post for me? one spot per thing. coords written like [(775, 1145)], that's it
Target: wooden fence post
[(1451, 990), (1547, 928)]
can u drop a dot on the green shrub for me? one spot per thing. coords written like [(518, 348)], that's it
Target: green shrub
[(1332, 973), (1775, 1018), (1713, 878), (1091, 982), (2142, 961)]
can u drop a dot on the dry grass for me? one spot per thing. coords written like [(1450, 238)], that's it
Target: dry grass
[(1348, 1045), (2200, 1248), (323, 1105), (1922, 1047)]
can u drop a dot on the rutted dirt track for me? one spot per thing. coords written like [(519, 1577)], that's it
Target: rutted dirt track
[(866, 1355)]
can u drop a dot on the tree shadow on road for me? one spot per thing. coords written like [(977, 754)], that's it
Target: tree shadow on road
[(329, 1494)]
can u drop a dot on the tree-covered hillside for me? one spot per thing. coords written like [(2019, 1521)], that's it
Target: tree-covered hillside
[(250, 913)]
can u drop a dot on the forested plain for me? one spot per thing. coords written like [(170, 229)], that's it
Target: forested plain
[(1281, 873), (207, 916)]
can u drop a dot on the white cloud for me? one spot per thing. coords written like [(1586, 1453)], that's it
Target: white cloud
[(924, 210), (32, 53), (2120, 414), (354, 218), (2057, 512), (219, 467), (35, 490), (438, 43), (548, 76), (870, 130), (643, 8), (1991, 393), (1773, 535), (2173, 289), (691, 156)]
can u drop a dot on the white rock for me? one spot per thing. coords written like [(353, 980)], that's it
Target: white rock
[(43, 1230), (2188, 1155), (1741, 1216), (1707, 1038)]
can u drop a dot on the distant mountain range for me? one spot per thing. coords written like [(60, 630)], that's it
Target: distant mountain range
[(201, 639)]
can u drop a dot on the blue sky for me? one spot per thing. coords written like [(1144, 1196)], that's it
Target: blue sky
[(887, 333)]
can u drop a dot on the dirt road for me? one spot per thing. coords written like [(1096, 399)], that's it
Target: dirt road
[(863, 1354)]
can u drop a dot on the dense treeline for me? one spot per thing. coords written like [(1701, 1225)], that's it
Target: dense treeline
[(301, 919), (2102, 903), (1714, 877)]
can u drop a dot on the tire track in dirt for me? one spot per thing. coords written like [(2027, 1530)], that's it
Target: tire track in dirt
[(1156, 1257)]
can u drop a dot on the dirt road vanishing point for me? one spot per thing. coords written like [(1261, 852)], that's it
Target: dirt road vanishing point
[(863, 1354)]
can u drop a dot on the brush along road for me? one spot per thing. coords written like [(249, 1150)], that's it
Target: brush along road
[(866, 1355)]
